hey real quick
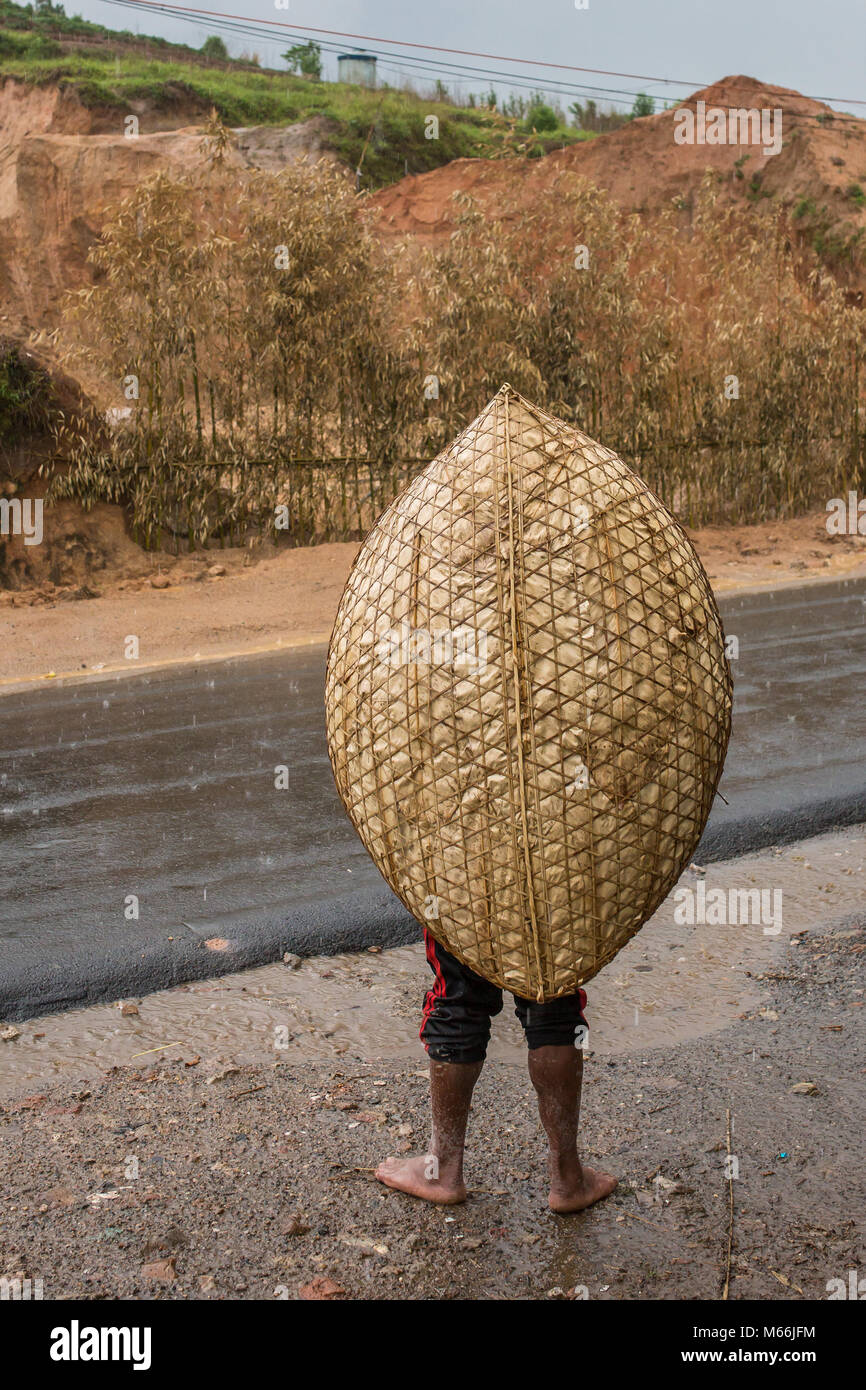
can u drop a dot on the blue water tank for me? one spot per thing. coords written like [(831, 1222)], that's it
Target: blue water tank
[(357, 67)]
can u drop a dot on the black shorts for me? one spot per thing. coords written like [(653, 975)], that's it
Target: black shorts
[(458, 1009)]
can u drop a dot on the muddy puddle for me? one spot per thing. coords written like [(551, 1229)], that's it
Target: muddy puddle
[(675, 981)]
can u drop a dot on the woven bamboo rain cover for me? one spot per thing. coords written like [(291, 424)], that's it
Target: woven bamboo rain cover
[(528, 701)]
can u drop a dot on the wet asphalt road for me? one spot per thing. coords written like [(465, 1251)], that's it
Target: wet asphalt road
[(155, 795)]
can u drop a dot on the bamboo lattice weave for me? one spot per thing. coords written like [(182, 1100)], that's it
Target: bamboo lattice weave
[(528, 701)]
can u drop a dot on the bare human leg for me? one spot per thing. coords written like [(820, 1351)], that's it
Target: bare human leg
[(438, 1176), (557, 1074)]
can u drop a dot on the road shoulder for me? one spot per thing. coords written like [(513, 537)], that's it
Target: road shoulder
[(219, 604)]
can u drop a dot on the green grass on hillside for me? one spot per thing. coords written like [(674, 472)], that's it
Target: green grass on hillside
[(386, 125)]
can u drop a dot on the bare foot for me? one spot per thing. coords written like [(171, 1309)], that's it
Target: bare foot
[(416, 1176), (591, 1187)]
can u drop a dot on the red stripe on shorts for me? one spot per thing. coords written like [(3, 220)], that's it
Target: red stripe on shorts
[(438, 990)]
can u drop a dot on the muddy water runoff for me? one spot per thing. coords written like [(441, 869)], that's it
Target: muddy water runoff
[(673, 982)]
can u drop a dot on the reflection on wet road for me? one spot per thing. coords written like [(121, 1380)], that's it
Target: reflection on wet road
[(799, 720), (143, 816)]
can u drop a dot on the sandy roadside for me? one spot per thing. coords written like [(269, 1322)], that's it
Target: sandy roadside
[(223, 603)]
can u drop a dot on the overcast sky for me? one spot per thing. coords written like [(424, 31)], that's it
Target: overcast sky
[(817, 48)]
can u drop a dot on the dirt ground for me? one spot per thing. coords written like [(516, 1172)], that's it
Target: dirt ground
[(637, 167), (221, 603), (196, 1166), (257, 1183)]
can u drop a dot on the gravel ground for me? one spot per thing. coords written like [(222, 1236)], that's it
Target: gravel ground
[(255, 1182)]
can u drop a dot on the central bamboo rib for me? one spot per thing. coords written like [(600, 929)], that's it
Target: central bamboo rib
[(516, 664)]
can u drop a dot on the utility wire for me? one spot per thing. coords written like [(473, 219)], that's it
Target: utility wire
[(180, 10), (556, 87), (396, 61)]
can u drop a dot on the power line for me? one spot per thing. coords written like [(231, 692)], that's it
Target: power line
[(408, 43), (423, 66), (428, 67), (460, 52)]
